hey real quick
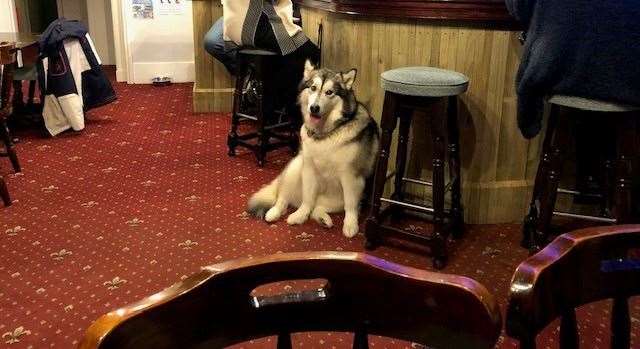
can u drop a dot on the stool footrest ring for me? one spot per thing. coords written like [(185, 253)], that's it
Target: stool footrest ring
[(577, 193), (585, 217), (412, 206)]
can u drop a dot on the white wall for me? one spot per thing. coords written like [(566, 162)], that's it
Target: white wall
[(162, 46), (8, 23), (100, 25)]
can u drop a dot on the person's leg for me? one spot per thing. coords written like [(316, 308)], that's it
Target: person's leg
[(293, 64), (214, 44)]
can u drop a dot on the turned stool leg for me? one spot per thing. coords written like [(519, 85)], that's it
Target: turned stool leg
[(295, 118), (439, 251), (609, 172), (4, 193), (260, 151), (387, 125), (32, 93), (18, 97), (405, 116), (608, 189), (626, 150), (551, 178), (531, 220), (232, 138), (8, 145), (453, 137), (265, 110)]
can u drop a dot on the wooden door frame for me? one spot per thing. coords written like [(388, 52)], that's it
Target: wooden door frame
[(123, 58), (21, 22)]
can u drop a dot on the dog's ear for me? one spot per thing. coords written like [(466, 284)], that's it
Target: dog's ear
[(348, 78), (308, 68)]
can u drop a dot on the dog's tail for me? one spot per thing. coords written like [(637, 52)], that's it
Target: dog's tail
[(263, 199)]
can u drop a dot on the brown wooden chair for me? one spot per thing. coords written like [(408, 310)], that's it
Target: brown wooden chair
[(7, 60), (363, 294), (576, 268)]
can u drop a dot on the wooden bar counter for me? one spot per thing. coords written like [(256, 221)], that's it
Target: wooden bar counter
[(474, 37)]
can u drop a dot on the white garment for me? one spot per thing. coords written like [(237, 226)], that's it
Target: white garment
[(65, 112)]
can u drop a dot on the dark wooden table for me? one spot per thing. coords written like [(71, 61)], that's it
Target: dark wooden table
[(27, 43), (26, 50), (17, 49), (20, 39)]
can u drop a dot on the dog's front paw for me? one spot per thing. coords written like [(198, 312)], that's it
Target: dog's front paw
[(350, 227), (322, 218), (298, 217), (273, 214)]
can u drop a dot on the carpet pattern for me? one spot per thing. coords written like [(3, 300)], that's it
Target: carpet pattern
[(146, 195)]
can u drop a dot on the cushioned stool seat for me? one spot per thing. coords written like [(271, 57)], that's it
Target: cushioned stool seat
[(424, 82), (257, 52), (590, 104)]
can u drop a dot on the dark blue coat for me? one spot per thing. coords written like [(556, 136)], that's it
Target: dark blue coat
[(583, 48)]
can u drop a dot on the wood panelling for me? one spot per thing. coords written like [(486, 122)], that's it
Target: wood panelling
[(213, 88), (498, 163)]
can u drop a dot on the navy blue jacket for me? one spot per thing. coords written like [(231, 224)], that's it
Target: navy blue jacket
[(583, 48), (96, 88)]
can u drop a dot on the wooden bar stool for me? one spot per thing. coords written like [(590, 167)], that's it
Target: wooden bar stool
[(616, 196), (254, 101), (407, 90)]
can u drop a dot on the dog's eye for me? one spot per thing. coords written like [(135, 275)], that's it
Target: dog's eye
[(313, 88), (329, 92)]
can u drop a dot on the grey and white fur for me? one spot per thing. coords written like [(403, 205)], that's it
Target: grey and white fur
[(339, 144)]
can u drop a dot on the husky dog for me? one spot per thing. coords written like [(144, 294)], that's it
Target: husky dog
[(339, 144)]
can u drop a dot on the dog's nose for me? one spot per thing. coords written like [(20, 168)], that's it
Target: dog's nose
[(315, 109)]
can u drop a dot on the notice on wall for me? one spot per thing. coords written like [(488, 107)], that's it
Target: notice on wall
[(170, 7), (142, 9)]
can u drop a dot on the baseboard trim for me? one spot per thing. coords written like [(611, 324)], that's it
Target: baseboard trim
[(212, 100), (178, 71)]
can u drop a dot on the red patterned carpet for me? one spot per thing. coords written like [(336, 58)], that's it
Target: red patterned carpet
[(145, 196)]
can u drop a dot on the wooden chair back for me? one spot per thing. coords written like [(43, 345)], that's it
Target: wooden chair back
[(363, 295), (576, 268)]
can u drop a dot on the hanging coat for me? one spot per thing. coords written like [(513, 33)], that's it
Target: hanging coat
[(70, 75)]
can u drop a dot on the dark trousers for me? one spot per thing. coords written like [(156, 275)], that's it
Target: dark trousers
[(289, 76)]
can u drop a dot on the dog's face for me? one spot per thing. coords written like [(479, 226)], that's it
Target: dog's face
[(323, 95)]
